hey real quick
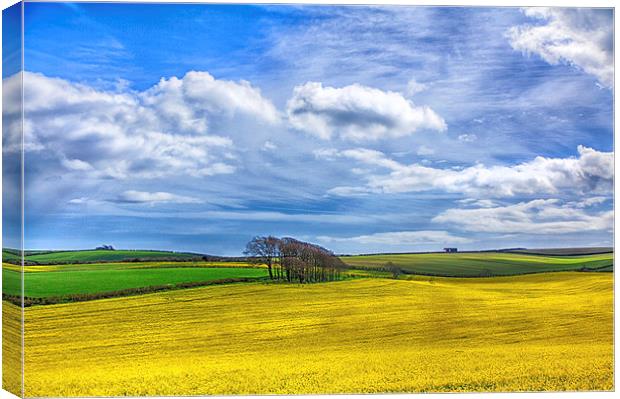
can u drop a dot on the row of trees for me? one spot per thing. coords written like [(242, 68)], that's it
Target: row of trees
[(291, 260)]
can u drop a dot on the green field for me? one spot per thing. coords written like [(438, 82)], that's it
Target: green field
[(126, 265), (480, 263), (565, 251), (56, 280), (10, 256), (106, 256), (49, 284)]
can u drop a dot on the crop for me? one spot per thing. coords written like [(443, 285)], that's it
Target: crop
[(105, 255), (54, 283), (479, 264), (127, 265), (551, 331)]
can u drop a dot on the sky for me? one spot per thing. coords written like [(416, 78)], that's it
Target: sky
[(362, 129)]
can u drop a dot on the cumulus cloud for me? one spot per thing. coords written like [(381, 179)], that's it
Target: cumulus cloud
[(357, 113), (576, 36), (549, 216), (422, 237), (592, 172), (142, 197), (190, 102), (162, 131)]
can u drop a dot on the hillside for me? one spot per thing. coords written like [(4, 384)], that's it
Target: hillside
[(90, 256), (480, 263)]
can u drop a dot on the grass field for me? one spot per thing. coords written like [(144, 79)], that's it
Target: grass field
[(127, 266), (10, 256), (479, 264), (551, 331), (53, 283)]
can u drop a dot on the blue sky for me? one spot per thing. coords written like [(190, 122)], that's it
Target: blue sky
[(195, 127)]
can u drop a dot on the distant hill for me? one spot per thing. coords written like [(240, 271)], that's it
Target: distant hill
[(91, 256), (11, 256), (480, 264), (562, 251)]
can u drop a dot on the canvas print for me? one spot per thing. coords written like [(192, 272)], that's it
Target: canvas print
[(232, 199)]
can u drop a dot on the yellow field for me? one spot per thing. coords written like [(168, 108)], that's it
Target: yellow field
[(537, 332)]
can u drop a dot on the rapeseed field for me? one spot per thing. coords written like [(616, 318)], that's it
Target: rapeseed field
[(550, 331)]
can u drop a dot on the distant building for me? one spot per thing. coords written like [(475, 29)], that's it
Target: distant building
[(451, 249)]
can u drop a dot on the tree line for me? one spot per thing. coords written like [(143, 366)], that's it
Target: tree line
[(291, 260)]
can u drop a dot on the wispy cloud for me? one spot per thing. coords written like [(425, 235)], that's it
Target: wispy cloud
[(430, 237), (144, 197), (467, 137), (591, 172), (575, 36), (549, 216)]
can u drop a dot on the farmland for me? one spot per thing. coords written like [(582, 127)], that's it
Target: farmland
[(506, 322), (565, 251), (10, 256), (45, 284), (86, 256), (549, 331), (479, 263)]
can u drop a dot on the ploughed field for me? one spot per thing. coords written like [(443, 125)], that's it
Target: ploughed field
[(548, 331), (481, 263)]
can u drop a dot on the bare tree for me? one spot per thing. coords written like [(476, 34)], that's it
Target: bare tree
[(264, 250), (308, 263)]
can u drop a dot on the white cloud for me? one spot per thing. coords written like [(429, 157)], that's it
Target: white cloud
[(326, 153), (467, 138), (423, 237), (190, 102), (414, 87), (590, 202), (424, 150), (357, 113), (269, 146), (142, 197), (576, 36), (163, 131), (371, 157), (482, 203), (76, 164), (549, 216), (591, 172), (78, 201)]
